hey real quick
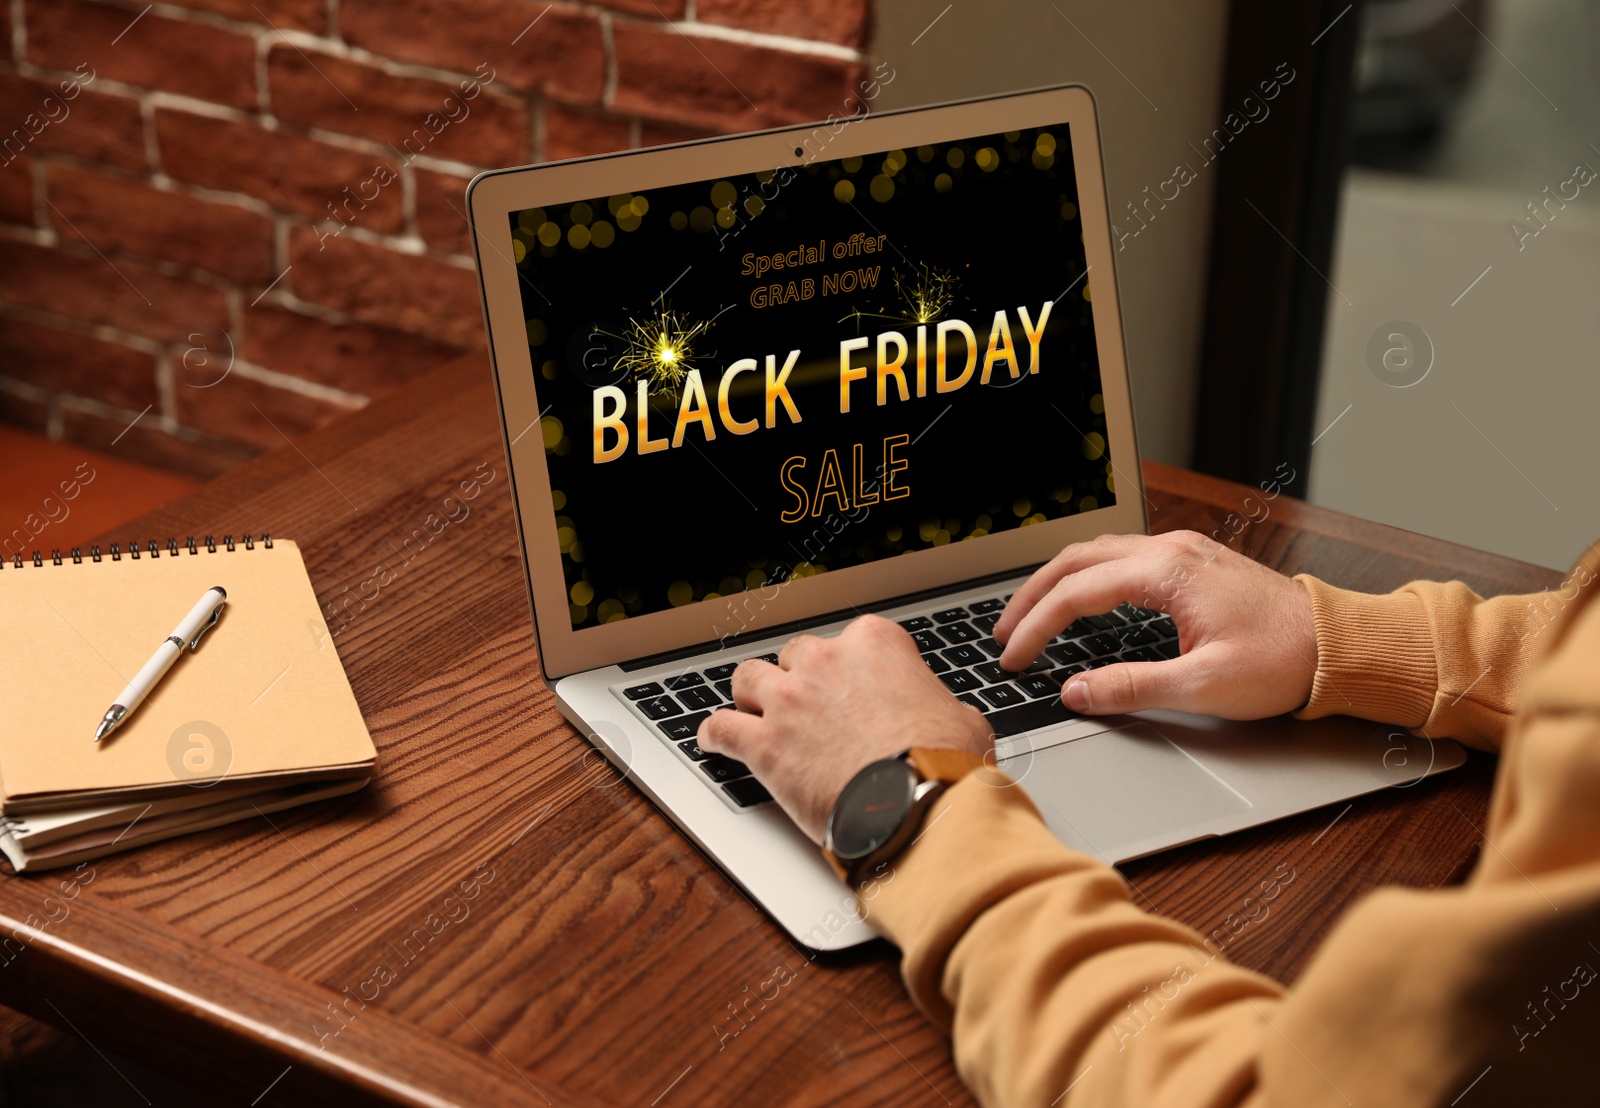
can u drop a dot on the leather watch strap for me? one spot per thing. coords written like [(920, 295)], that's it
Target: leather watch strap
[(943, 764)]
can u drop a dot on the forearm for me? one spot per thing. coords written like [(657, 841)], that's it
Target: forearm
[(1047, 973), (1432, 657)]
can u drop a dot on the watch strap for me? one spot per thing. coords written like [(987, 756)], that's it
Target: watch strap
[(942, 763)]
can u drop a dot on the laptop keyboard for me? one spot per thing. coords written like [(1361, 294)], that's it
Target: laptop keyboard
[(958, 648)]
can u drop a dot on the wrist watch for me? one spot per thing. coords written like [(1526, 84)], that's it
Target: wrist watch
[(879, 811)]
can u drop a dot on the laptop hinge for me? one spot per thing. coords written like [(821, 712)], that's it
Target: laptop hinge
[(794, 627)]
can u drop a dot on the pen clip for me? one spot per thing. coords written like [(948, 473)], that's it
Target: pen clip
[(216, 614)]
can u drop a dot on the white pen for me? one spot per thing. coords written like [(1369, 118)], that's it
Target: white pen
[(201, 618)]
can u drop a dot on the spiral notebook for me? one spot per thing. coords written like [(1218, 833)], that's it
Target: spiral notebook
[(261, 716)]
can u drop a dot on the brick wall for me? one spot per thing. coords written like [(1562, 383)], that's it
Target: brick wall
[(224, 222)]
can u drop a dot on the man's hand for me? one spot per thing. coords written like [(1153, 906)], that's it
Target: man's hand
[(1248, 638), (831, 706)]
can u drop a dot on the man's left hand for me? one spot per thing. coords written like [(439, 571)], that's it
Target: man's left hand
[(807, 725)]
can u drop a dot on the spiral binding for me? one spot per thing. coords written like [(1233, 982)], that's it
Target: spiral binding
[(152, 549)]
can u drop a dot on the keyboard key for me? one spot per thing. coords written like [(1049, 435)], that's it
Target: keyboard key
[(721, 673), (960, 681), (726, 689), (990, 647), (1002, 696), (660, 707), (1163, 625), (1060, 676), (1130, 613), (1110, 621), (747, 792), (1144, 614), (927, 640), (1066, 653), (773, 658), (1141, 654), (1101, 645), (949, 615), (692, 749), (639, 692), (719, 768), (992, 673), (1168, 649), (684, 681), (1038, 684), (963, 655), (1137, 635), (1079, 630), (983, 607), (1030, 716), (959, 632), (916, 623), (973, 701), (684, 727), (697, 698), (986, 623), (936, 663)]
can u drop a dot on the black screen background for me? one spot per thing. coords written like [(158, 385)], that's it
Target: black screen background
[(645, 533)]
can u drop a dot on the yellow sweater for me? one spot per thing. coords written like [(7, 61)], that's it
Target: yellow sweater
[(1048, 976)]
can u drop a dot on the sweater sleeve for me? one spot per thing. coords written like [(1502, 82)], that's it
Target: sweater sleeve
[(1059, 990), (1436, 658)]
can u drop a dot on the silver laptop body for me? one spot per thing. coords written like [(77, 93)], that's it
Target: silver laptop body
[(757, 385)]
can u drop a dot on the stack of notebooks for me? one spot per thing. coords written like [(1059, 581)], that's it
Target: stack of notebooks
[(259, 718)]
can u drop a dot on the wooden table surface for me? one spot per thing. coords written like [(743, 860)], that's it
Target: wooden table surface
[(602, 949)]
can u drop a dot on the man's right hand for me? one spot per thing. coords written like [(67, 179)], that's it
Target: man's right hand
[(1248, 640)]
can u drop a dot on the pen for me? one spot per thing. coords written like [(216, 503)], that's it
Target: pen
[(201, 618)]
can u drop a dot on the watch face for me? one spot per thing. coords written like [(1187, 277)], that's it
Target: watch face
[(871, 808)]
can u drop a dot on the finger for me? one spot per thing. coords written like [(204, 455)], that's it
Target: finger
[(725, 731), (752, 676), (1072, 559), (877, 629), (1088, 592), (796, 648), (1136, 686)]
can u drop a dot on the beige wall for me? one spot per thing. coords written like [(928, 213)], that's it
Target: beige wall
[(1165, 97)]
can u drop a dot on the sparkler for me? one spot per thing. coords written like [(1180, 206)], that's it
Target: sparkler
[(925, 293), (661, 349)]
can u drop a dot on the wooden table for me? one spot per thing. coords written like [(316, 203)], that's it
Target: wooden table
[(601, 948)]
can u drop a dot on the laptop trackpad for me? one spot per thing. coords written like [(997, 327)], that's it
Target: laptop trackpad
[(1123, 793)]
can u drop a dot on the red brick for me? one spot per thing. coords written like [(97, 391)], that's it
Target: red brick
[(656, 9), (841, 21), (81, 285), (569, 134), (290, 172), (121, 216), (175, 55), (16, 192), (22, 411), (240, 410), (66, 361), (413, 115), (442, 211), (659, 134), (299, 15), (563, 55), (349, 356), (186, 452), (410, 293), (715, 83), (92, 125)]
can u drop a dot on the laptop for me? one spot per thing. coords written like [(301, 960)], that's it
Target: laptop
[(762, 384)]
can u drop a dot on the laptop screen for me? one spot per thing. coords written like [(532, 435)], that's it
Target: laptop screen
[(753, 379)]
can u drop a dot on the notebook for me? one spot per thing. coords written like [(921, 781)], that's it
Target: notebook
[(259, 717)]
